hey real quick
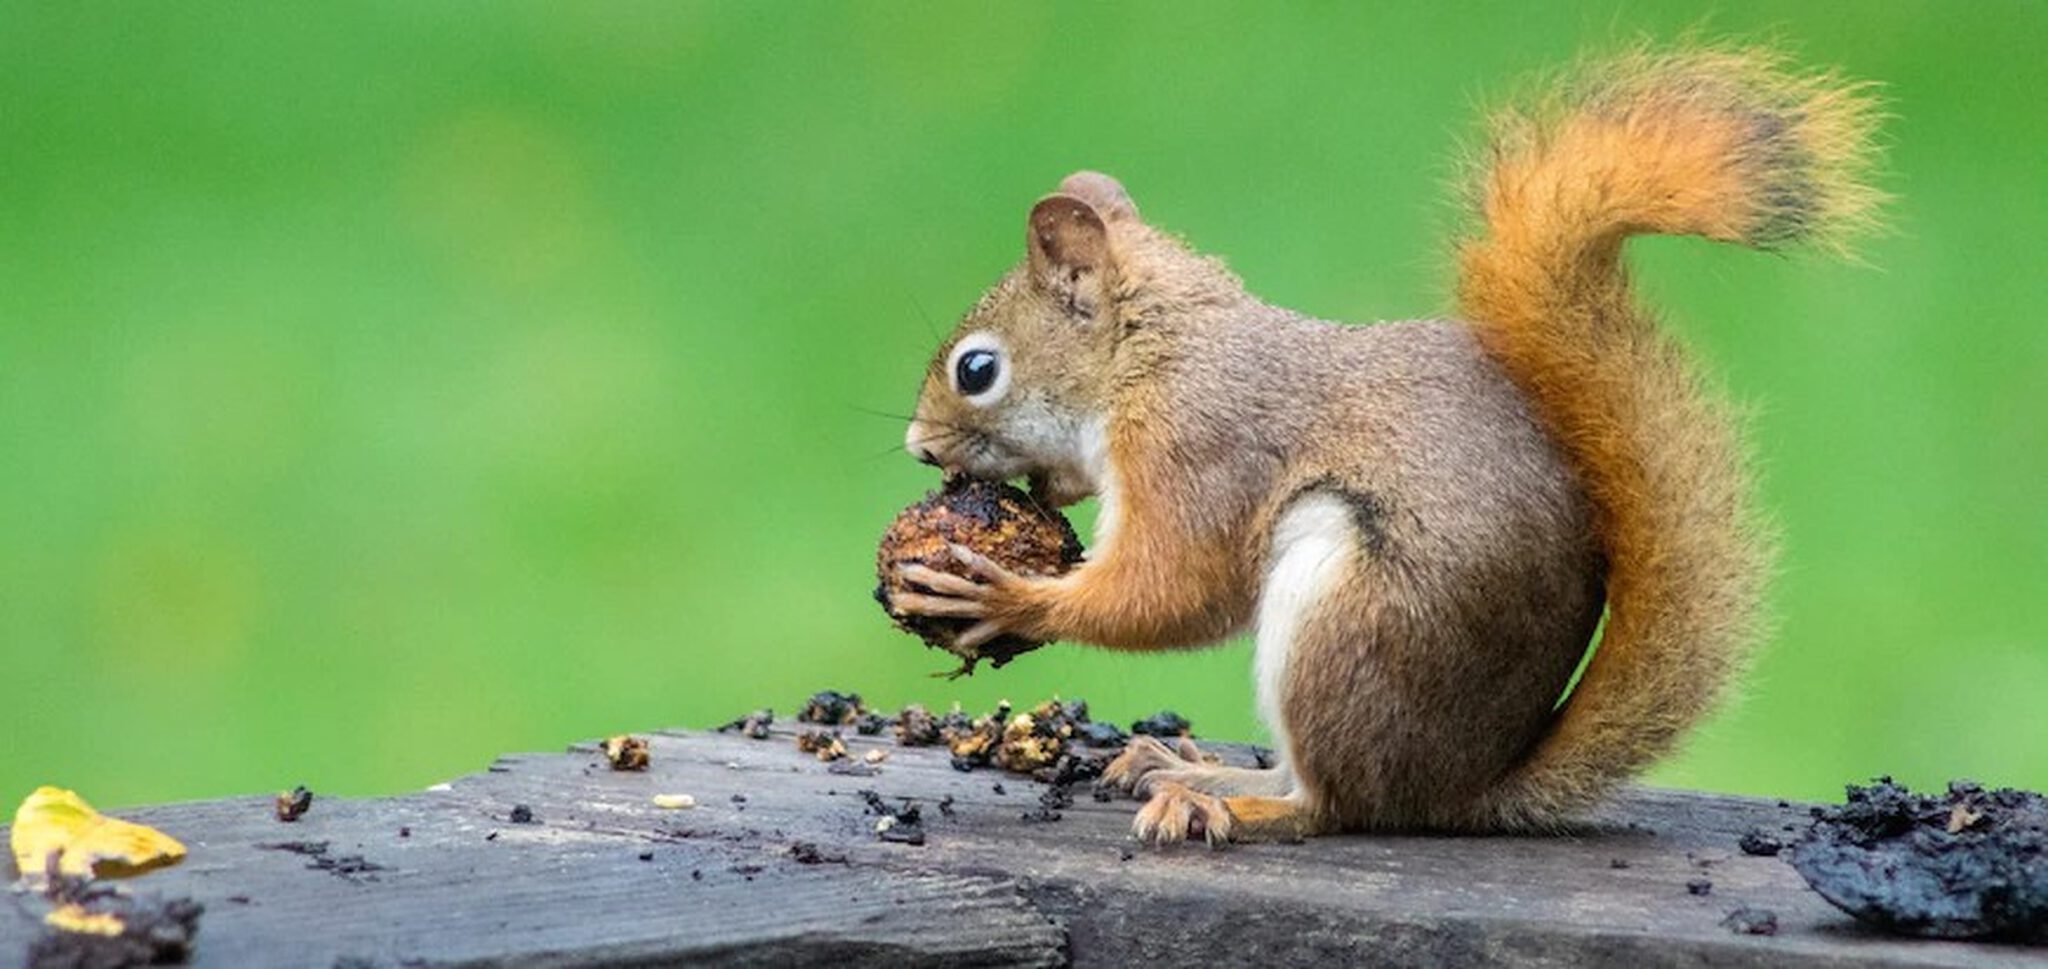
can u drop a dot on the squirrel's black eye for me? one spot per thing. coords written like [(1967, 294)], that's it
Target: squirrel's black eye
[(976, 372)]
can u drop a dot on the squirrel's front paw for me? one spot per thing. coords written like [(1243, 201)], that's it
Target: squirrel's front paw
[(1005, 603), (1176, 813)]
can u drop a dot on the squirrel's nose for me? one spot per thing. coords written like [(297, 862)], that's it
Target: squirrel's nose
[(913, 441)]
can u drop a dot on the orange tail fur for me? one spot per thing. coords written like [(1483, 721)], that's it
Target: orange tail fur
[(1715, 143)]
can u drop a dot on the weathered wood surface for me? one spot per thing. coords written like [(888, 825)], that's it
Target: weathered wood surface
[(604, 877)]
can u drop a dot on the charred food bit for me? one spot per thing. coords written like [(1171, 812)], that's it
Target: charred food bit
[(916, 727), (1758, 842), (753, 726), (354, 868), (832, 708), (1051, 802), (93, 924), (903, 824), (1165, 724), (996, 520), (808, 853), (1969, 864), (1751, 921), (293, 804), (626, 752), (1047, 742)]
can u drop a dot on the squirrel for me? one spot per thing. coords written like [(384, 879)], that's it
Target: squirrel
[(1422, 524)]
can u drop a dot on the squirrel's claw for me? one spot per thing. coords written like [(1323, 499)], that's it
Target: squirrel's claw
[(943, 583), (1176, 813), (979, 633), (982, 566), (912, 604), (995, 595)]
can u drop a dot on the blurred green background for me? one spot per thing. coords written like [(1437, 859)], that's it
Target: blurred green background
[(390, 385)]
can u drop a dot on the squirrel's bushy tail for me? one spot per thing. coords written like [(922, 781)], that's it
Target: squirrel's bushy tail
[(1724, 144)]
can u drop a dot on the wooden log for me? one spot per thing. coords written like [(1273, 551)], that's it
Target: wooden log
[(603, 876)]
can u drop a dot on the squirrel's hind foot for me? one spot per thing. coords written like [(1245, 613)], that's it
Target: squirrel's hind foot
[(1178, 813)]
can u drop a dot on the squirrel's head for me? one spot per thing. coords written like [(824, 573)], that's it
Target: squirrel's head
[(1020, 389)]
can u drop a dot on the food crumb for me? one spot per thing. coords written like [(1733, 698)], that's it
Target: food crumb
[(902, 825), (293, 804), (626, 752), (674, 802), (1700, 886), (808, 853), (753, 726), (1751, 921), (916, 727), (1050, 803), (825, 744), (832, 708), (1760, 844), (94, 924), (1164, 724)]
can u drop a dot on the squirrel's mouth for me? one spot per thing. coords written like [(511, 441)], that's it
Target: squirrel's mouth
[(978, 453), (1060, 489), (961, 451)]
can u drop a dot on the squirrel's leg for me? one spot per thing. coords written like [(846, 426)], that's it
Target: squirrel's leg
[(1314, 564)]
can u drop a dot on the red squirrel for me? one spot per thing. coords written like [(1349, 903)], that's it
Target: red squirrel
[(1421, 524)]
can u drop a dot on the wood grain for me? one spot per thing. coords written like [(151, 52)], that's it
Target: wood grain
[(602, 877)]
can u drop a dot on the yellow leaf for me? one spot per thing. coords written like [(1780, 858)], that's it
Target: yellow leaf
[(73, 917), (54, 821)]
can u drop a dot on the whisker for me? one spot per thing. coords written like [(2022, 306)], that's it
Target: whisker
[(906, 418), (1031, 495), (941, 439), (931, 325), (871, 412)]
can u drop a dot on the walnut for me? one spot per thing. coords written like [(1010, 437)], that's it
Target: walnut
[(997, 520)]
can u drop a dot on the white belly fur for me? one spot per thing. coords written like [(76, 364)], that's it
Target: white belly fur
[(1312, 543)]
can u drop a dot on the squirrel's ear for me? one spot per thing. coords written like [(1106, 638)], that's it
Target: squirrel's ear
[(1069, 247), (1104, 194)]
